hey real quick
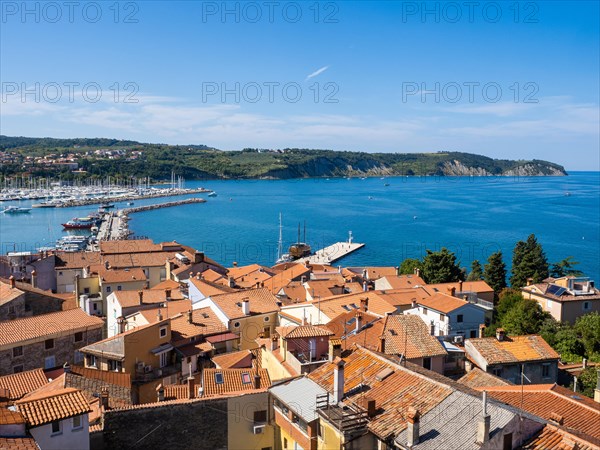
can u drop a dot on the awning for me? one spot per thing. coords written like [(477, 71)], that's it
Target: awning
[(451, 348), (162, 348)]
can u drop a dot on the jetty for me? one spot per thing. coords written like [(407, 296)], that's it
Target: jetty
[(333, 252), (68, 203), (114, 224)]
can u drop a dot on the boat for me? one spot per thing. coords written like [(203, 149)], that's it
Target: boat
[(80, 223), (44, 205), (295, 251), (16, 210), (129, 203), (212, 194), (107, 205), (386, 184)]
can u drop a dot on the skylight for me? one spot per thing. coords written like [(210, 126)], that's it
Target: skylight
[(245, 378), (219, 378)]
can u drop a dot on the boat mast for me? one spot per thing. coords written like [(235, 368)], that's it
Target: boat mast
[(280, 243)]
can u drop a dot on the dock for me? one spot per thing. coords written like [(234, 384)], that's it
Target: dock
[(333, 252)]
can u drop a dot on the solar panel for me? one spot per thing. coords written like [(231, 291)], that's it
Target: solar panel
[(555, 290)]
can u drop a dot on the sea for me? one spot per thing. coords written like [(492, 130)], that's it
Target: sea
[(395, 217)]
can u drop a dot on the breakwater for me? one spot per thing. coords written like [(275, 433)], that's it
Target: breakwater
[(68, 203)]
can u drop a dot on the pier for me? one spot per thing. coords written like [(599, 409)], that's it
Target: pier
[(333, 252), (68, 203), (114, 224)]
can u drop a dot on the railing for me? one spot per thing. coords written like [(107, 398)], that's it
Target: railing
[(302, 367)]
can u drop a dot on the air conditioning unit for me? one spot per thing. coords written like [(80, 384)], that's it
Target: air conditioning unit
[(458, 339), (147, 369), (259, 429)]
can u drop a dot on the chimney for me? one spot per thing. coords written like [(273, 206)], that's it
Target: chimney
[(460, 286), (597, 390), (231, 282), (198, 257), (451, 291), (483, 426), (141, 296), (257, 381), (34, 279), (159, 316), (104, 398), (168, 294), (335, 350), (382, 344), (190, 318), (339, 269), (12, 281), (413, 303), (121, 324), (412, 430), (338, 379), (365, 274), (417, 271), (234, 264), (191, 384), (303, 279), (364, 304), (482, 328), (369, 405), (529, 281), (365, 286), (358, 321), (160, 393), (66, 367), (500, 334), (246, 307), (584, 364)]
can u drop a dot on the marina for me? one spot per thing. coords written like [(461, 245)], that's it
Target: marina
[(333, 252)]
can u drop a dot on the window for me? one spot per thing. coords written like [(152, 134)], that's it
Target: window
[(56, 427), (77, 425), (425, 311), (108, 289), (119, 288), (236, 324), (91, 361), (86, 290), (497, 371), (17, 351), (95, 307), (427, 363), (60, 273), (545, 370), (163, 332), (164, 359), (260, 416), (285, 444), (246, 378), (473, 334), (442, 317), (459, 318), (219, 378), (320, 431), (18, 369), (266, 319), (49, 344), (77, 357), (115, 366), (507, 442), (79, 336), (49, 362), (586, 306)]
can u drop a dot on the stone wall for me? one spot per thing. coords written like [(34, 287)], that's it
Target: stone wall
[(199, 424)]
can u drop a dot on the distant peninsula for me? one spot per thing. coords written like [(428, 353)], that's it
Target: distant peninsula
[(100, 157)]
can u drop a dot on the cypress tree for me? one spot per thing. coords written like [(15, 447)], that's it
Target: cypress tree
[(529, 261), (494, 272), (476, 271)]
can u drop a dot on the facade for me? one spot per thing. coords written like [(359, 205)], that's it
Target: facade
[(12, 301), (516, 357), (47, 340), (566, 298)]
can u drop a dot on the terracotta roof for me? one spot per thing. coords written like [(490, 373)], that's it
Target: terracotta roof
[(115, 378), (204, 323), (208, 288), (8, 294), (48, 407), (325, 288), (403, 297), (77, 260), (373, 273), (46, 325), (19, 384), (8, 417), (443, 303), (171, 309), (18, 443), (128, 299), (512, 349), (248, 276), (167, 284), (294, 291), (467, 286), (404, 281), (339, 304), (478, 378), (121, 275), (542, 289), (410, 336), (555, 438), (129, 246), (302, 331), (223, 337), (213, 276), (344, 324), (261, 302), (578, 412), (232, 360), (295, 271), (233, 380), (124, 260)]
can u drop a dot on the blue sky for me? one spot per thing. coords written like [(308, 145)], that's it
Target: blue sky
[(504, 79)]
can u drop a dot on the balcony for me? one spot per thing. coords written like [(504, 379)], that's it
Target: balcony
[(302, 364), (148, 373)]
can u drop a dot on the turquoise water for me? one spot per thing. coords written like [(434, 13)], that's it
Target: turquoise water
[(471, 216)]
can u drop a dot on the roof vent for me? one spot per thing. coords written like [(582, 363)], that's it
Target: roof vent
[(384, 374)]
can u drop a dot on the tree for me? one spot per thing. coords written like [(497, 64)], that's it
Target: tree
[(529, 261), (565, 268), (494, 272), (441, 267), (526, 317), (588, 328), (476, 271), (409, 265), (587, 381)]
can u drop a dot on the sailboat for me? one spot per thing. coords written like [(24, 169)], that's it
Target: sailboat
[(281, 257)]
